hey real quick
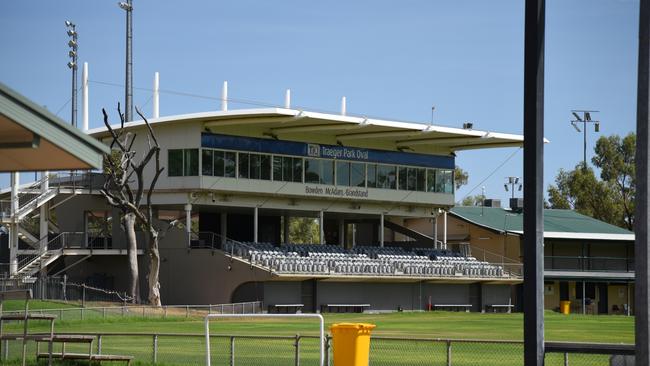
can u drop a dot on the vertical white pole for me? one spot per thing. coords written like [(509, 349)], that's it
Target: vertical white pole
[(341, 232), (435, 231), (224, 227), (444, 230), (344, 106), (84, 96), (255, 223), (381, 230), (321, 226), (156, 95), (44, 214), (287, 99), (13, 233), (188, 222), (224, 96)]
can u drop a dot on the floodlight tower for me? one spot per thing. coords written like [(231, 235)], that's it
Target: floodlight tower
[(72, 43), (128, 102), (512, 183), (584, 119)]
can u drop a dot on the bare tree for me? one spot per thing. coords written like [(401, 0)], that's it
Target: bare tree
[(124, 188)]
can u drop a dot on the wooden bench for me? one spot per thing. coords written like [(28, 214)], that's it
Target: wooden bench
[(455, 307), (288, 308), (78, 338), (25, 317), (354, 308), (496, 308)]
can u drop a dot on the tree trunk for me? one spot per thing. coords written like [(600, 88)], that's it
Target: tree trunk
[(154, 269), (132, 250)]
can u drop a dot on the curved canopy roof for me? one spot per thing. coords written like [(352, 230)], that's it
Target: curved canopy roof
[(316, 127)]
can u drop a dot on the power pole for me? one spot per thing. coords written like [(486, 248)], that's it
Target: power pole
[(128, 99), (72, 43), (584, 119)]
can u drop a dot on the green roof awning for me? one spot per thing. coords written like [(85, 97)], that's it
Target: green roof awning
[(33, 139)]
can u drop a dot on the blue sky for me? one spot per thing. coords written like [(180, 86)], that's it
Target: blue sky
[(390, 59)]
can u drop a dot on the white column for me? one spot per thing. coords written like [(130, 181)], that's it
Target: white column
[(381, 230), (156, 95), (45, 213), (435, 231), (444, 229), (287, 99), (13, 230), (188, 222), (584, 302), (224, 96), (341, 232), (84, 96), (224, 227), (321, 226), (255, 223), (344, 107)]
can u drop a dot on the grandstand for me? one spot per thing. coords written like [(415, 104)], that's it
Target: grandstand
[(235, 180)]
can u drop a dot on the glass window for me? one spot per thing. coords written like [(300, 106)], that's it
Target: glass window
[(386, 177), (402, 178), (175, 163), (420, 179), (371, 175), (297, 170), (265, 167), (255, 164), (277, 168), (312, 170), (411, 179), (342, 173), (431, 180), (287, 169), (358, 174), (218, 163), (229, 162), (243, 165), (191, 162), (327, 172), (444, 181), (206, 162)]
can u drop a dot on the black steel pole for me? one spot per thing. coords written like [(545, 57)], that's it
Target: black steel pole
[(128, 107), (641, 223), (534, 183)]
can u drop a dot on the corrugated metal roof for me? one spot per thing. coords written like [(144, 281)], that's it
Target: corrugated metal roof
[(561, 224)]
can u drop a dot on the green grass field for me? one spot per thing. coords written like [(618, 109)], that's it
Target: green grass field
[(410, 326)]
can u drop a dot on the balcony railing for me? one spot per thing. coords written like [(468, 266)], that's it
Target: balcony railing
[(588, 264)]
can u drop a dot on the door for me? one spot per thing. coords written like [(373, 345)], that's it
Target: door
[(603, 305)]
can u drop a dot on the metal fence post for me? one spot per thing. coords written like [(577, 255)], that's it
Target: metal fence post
[(82, 313), (327, 350), (165, 312), (5, 349), (566, 359), (297, 345), (187, 311), (99, 344), (232, 351), (448, 353), (104, 312), (143, 309), (123, 308), (155, 348)]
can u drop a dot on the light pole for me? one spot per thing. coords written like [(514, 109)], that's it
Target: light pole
[(128, 102), (584, 119), (72, 43), (512, 182)]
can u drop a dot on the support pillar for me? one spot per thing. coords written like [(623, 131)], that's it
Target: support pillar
[(321, 226), (285, 230), (642, 214), (533, 294), (224, 227), (188, 222), (255, 223), (381, 230), (444, 229), (584, 302), (435, 231), (44, 215), (13, 230), (341, 223), (84, 97)]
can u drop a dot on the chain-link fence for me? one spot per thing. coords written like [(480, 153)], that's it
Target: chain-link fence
[(297, 350), (59, 288)]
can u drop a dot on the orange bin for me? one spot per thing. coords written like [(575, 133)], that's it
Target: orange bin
[(351, 343)]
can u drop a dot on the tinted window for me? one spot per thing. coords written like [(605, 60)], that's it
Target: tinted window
[(206, 162), (358, 174), (175, 163), (229, 162), (371, 176), (191, 162)]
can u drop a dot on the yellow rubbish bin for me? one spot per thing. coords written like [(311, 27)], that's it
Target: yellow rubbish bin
[(351, 343), (565, 307)]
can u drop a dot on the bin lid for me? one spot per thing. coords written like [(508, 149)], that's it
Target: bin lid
[(359, 326)]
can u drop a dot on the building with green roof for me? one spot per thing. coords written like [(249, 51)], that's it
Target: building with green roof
[(586, 261)]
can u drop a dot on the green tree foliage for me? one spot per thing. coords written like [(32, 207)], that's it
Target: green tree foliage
[(304, 230), (473, 200), (609, 197), (460, 177)]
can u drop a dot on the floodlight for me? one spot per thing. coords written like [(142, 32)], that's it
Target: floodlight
[(69, 23), (516, 180), (577, 116), (506, 187), (520, 187), (72, 54), (72, 65), (125, 6), (587, 116), (597, 126), (71, 33), (575, 126), (72, 44)]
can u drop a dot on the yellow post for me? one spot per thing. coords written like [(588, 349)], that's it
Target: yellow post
[(351, 343)]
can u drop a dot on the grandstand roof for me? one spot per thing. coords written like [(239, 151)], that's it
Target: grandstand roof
[(33, 139), (316, 127), (558, 224)]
